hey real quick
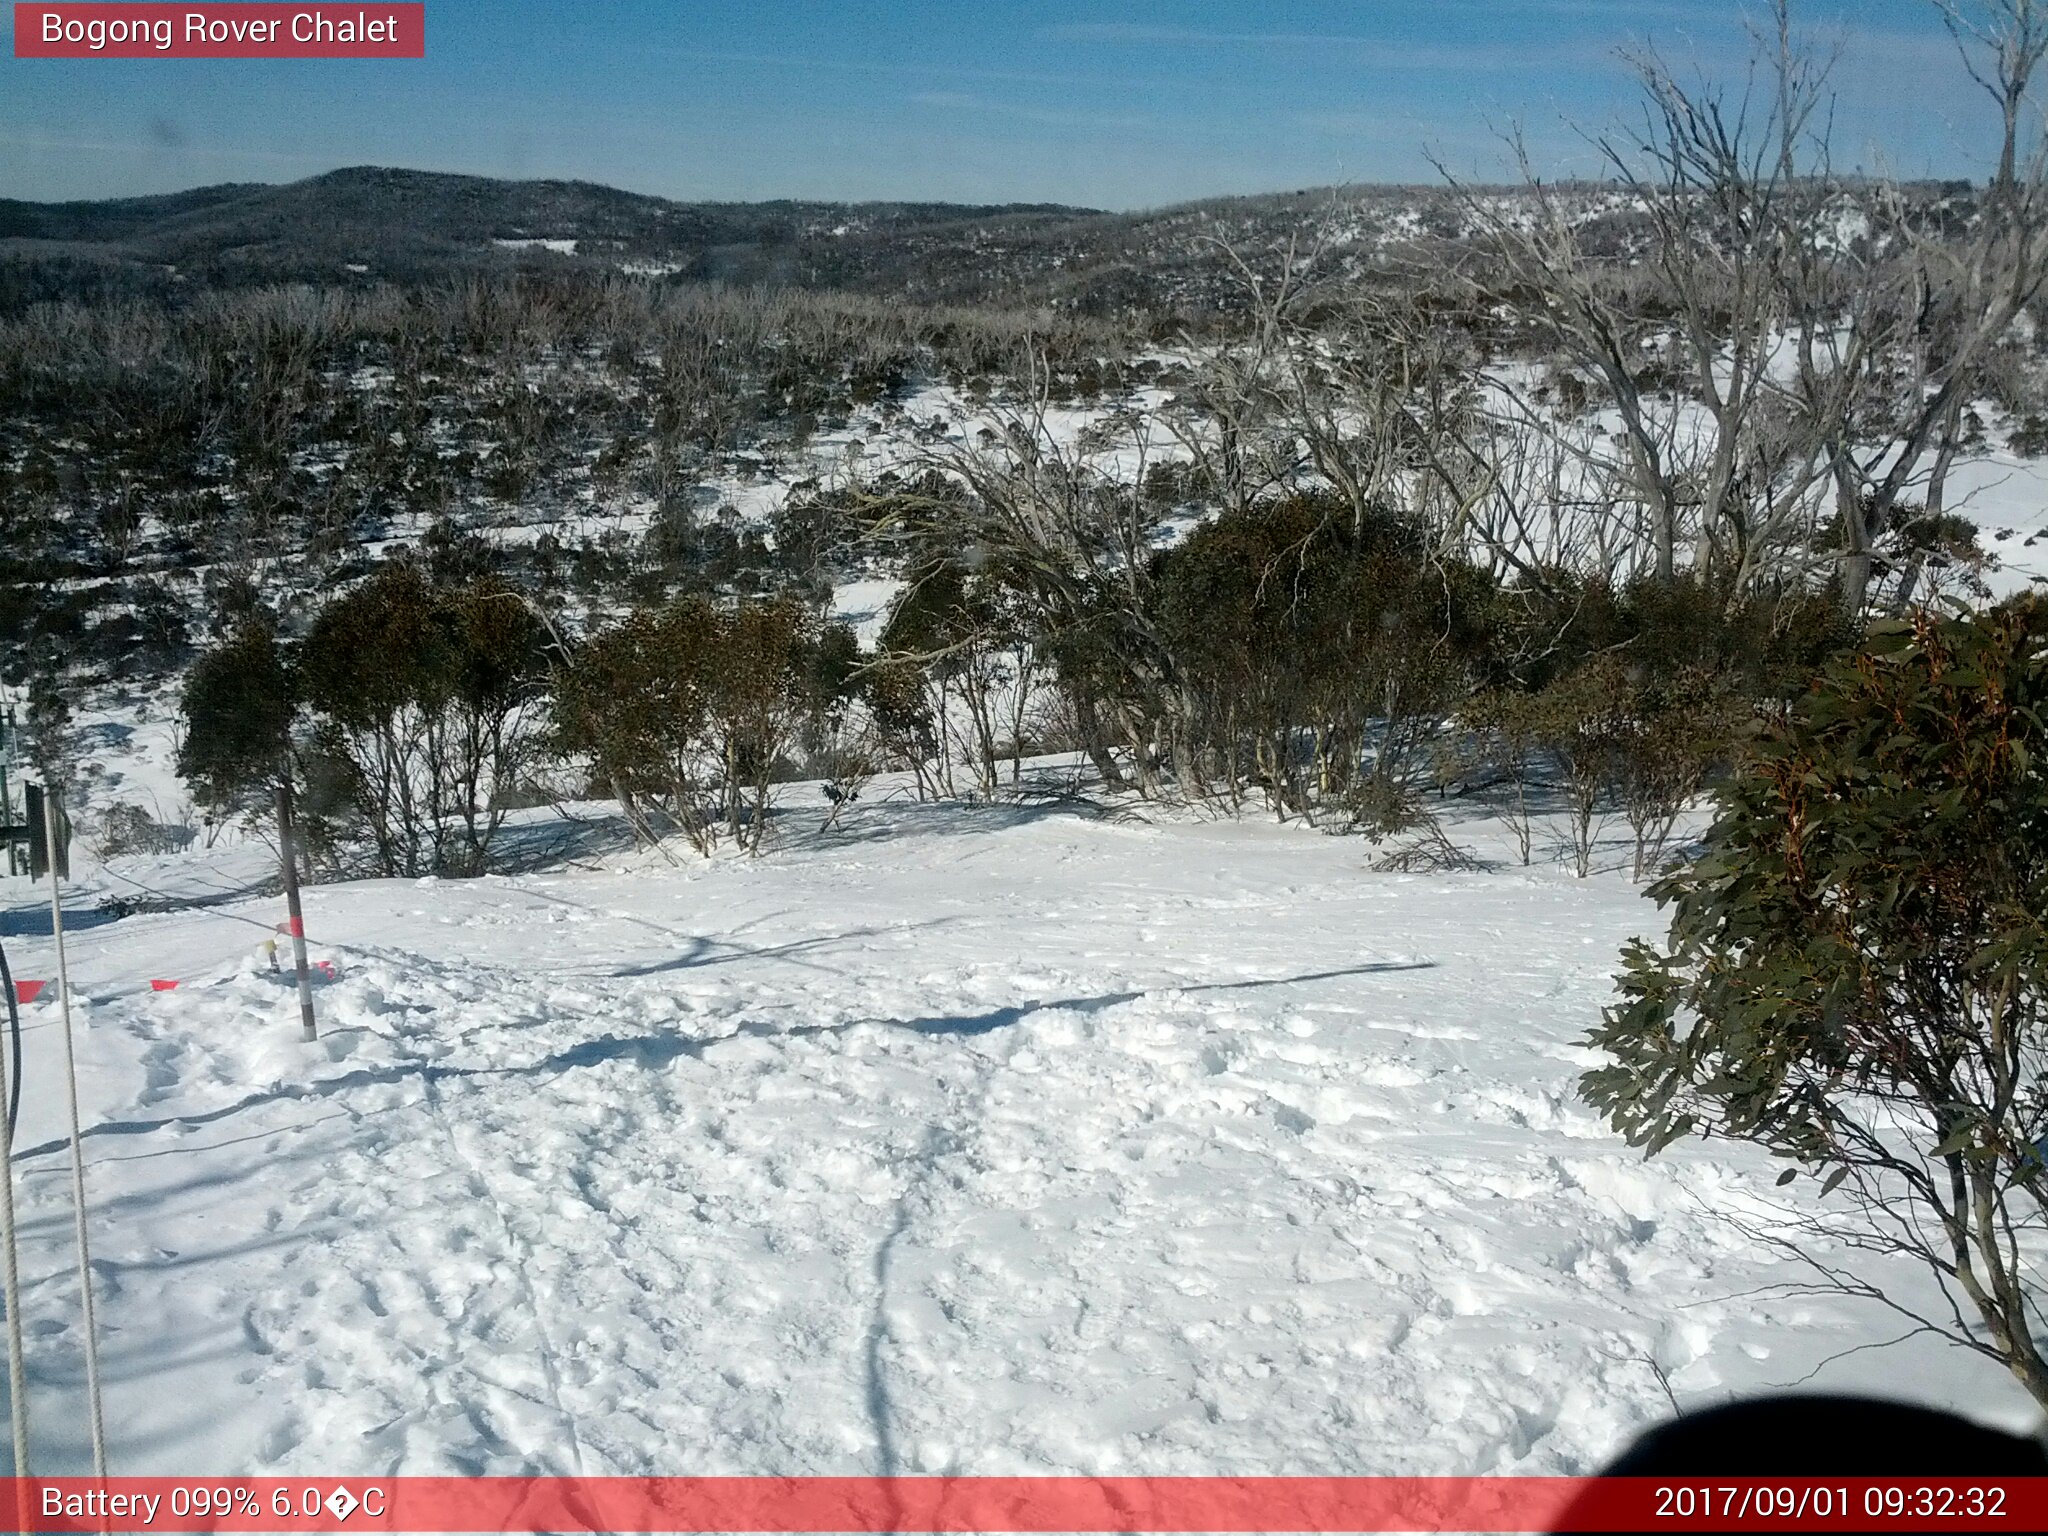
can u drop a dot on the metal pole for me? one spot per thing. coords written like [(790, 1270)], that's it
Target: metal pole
[(291, 903), (7, 795), (6, 802), (92, 1351), (17, 1377), (10, 1282)]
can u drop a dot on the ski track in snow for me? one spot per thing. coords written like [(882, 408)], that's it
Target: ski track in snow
[(966, 1141)]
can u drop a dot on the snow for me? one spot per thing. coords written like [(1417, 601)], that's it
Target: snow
[(2007, 498), (1011, 1138), (559, 247), (865, 606), (998, 1139)]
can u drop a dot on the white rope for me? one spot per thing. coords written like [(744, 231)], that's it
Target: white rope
[(92, 1342)]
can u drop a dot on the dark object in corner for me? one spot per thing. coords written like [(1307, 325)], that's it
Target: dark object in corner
[(1816, 1436)]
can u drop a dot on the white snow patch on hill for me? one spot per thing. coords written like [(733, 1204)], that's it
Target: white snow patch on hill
[(864, 605)]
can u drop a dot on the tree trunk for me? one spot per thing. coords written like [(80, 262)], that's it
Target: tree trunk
[(297, 923), (1089, 723)]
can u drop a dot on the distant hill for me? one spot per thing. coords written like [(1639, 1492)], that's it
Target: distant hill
[(373, 225), (403, 225)]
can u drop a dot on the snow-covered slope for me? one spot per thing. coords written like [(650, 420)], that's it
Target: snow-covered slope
[(974, 1140)]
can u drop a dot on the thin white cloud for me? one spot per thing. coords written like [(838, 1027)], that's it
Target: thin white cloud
[(140, 149), (1051, 117), (867, 66), (1142, 32), (1379, 52)]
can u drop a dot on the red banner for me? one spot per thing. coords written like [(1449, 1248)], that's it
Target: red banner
[(1028, 1504), (217, 31)]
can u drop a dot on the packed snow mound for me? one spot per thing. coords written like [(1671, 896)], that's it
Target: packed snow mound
[(996, 1140)]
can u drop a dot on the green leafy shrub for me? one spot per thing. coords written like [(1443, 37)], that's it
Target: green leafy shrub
[(423, 692), (1856, 974), (238, 702), (688, 712), (1306, 643)]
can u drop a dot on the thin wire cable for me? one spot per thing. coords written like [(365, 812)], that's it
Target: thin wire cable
[(186, 904), (92, 1340), (11, 1098), (233, 917)]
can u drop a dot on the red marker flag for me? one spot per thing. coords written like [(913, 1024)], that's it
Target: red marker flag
[(216, 31)]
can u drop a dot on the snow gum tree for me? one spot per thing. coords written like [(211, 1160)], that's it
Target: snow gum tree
[(764, 693), (1856, 974), (689, 712), (967, 634), (238, 704), (635, 700), (1307, 639), (422, 695)]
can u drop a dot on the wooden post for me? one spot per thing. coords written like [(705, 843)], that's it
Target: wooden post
[(49, 833), (291, 903)]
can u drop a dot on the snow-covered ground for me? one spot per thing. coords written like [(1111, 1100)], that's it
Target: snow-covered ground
[(1011, 1138), (864, 606), (2007, 498)]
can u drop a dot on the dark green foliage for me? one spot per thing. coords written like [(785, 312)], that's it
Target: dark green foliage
[(835, 667), (423, 693), (683, 552), (1306, 642), (303, 420), (238, 705), (1856, 974), (377, 650), (900, 702), (1631, 699), (2030, 438), (1583, 721), (162, 625), (762, 696), (1500, 729), (453, 555), (48, 734), (688, 712), (635, 700), (1765, 642), (1682, 728), (818, 534)]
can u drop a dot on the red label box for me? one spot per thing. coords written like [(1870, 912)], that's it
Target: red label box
[(216, 31), (393, 1505)]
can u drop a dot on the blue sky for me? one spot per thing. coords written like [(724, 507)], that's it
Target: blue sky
[(1117, 105)]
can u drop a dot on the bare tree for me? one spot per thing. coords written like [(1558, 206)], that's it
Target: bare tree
[(1674, 338), (1066, 519), (1894, 342)]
